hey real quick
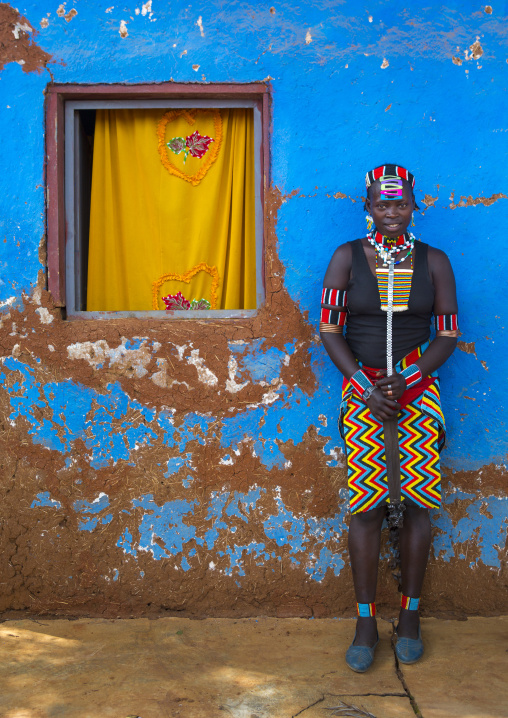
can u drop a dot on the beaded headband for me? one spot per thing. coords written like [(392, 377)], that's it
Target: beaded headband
[(392, 171)]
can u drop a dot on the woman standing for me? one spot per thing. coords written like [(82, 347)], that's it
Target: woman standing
[(366, 280)]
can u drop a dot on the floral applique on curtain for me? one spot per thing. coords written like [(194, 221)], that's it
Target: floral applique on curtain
[(175, 302), (197, 145)]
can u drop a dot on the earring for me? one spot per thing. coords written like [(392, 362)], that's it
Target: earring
[(413, 219), (369, 221)]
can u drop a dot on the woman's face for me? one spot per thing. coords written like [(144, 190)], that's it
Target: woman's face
[(391, 217)]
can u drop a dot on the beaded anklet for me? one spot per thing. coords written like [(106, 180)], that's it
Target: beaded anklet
[(412, 375), (366, 610), (410, 604)]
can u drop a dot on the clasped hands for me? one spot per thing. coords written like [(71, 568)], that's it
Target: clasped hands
[(383, 400)]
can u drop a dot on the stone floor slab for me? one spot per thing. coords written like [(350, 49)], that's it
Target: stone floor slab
[(464, 671), (169, 667), (362, 706), (222, 668)]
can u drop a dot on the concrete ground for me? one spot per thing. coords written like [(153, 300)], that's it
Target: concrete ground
[(247, 668)]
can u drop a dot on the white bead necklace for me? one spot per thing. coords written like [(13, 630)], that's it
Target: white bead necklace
[(388, 255)]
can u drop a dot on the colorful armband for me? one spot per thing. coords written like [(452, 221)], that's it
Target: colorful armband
[(412, 375), (334, 297), (332, 321), (446, 325), (360, 383)]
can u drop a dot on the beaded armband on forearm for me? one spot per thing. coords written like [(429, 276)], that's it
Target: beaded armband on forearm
[(333, 320), (360, 382), (412, 375), (446, 325)]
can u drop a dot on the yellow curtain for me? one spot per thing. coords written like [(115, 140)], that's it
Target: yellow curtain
[(160, 215)]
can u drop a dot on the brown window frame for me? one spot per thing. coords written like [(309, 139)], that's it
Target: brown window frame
[(56, 97)]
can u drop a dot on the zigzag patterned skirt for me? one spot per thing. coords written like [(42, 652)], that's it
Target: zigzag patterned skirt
[(421, 438)]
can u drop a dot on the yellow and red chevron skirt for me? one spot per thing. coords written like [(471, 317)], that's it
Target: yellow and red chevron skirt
[(421, 438)]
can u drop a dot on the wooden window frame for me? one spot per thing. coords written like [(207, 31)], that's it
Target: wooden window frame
[(58, 95)]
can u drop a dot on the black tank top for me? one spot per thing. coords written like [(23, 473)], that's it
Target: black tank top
[(366, 321)]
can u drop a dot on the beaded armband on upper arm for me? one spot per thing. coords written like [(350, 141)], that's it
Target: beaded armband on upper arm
[(446, 325), (333, 320)]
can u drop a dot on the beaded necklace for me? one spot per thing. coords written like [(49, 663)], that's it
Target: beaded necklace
[(389, 247), (395, 297)]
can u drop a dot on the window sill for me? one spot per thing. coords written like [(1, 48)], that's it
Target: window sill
[(161, 314)]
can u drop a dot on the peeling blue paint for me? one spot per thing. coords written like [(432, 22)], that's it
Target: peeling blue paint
[(44, 499), (484, 526), (88, 509), (176, 462), (257, 363), (166, 524), (111, 437), (166, 530), (125, 543)]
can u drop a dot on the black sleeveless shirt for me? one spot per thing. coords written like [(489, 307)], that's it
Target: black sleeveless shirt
[(366, 321)]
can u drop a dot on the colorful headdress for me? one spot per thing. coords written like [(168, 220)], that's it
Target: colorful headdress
[(389, 171)]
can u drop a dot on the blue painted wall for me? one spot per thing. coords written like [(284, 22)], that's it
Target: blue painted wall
[(138, 476)]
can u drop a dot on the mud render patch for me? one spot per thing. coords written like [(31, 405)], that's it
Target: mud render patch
[(21, 49), (38, 561)]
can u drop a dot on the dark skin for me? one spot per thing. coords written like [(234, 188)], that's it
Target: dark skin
[(392, 218)]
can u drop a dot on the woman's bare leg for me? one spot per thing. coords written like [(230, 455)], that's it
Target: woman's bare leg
[(364, 544), (414, 541)]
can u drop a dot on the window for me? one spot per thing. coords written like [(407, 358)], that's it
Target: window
[(156, 191)]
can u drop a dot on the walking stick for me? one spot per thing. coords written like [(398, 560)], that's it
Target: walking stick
[(396, 508)]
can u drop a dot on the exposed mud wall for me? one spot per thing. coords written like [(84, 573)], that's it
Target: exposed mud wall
[(196, 466)]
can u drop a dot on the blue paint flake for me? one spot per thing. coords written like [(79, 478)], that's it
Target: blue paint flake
[(125, 543), (236, 557), (257, 365), (165, 421), (44, 499), (92, 507), (165, 523), (176, 462), (88, 524)]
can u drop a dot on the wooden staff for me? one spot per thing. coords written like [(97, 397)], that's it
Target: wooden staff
[(391, 427)]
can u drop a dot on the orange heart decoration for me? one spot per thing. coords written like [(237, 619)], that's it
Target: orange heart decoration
[(209, 157), (186, 277)]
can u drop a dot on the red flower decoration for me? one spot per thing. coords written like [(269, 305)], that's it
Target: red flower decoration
[(175, 302), (198, 144)]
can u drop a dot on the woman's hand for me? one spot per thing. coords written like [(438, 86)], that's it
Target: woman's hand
[(382, 407), (392, 386)]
